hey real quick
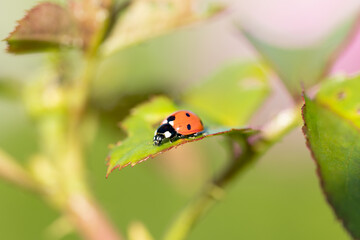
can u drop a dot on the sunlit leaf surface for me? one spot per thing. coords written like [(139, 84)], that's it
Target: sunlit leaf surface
[(332, 129), (140, 126)]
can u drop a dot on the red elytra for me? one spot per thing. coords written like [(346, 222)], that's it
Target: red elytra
[(186, 122)]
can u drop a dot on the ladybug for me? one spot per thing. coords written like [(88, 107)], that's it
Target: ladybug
[(180, 124)]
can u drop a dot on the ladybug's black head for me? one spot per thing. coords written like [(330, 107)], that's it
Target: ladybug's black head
[(158, 138)]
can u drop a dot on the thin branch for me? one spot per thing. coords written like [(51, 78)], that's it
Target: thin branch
[(14, 173), (278, 127), (208, 197), (114, 15), (90, 220), (251, 150)]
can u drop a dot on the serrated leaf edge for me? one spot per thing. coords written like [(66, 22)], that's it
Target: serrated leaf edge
[(318, 167), (24, 19), (180, 143)]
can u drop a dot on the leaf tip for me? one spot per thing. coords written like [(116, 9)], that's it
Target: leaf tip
[(110, 169)]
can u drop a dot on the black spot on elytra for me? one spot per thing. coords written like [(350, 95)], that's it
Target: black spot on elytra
[(187, 114), (171, 118), (188, 126)]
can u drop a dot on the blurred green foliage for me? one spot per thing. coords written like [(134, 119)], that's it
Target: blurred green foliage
[(281, 194), (306, 66), (230, 96)]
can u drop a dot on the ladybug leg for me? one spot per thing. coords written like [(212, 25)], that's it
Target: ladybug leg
[(173, 139), (180, 136), (196, 134), (176, 137)]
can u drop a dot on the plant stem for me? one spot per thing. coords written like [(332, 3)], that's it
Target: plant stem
[(253, 148), (78, 205), (90, 220), (63, 143), (12, 172)]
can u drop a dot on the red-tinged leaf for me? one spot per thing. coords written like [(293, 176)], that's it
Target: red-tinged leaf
[(46, 26), (90, 17)]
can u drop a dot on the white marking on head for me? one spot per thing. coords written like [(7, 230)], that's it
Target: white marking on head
[(155, 132), (167, 134), (171, 123), (165, 121)]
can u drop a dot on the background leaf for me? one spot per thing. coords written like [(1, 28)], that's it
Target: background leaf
[(332, 129), (140, 126), (146, 19), (232, 95), (50, 26), (302, 65), (46, 26), (10, 88)]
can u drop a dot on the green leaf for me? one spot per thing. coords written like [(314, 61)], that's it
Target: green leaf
[(140, 126), (296, 66), (46, 26), (332, 129), (232, 95), (145, 19)]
